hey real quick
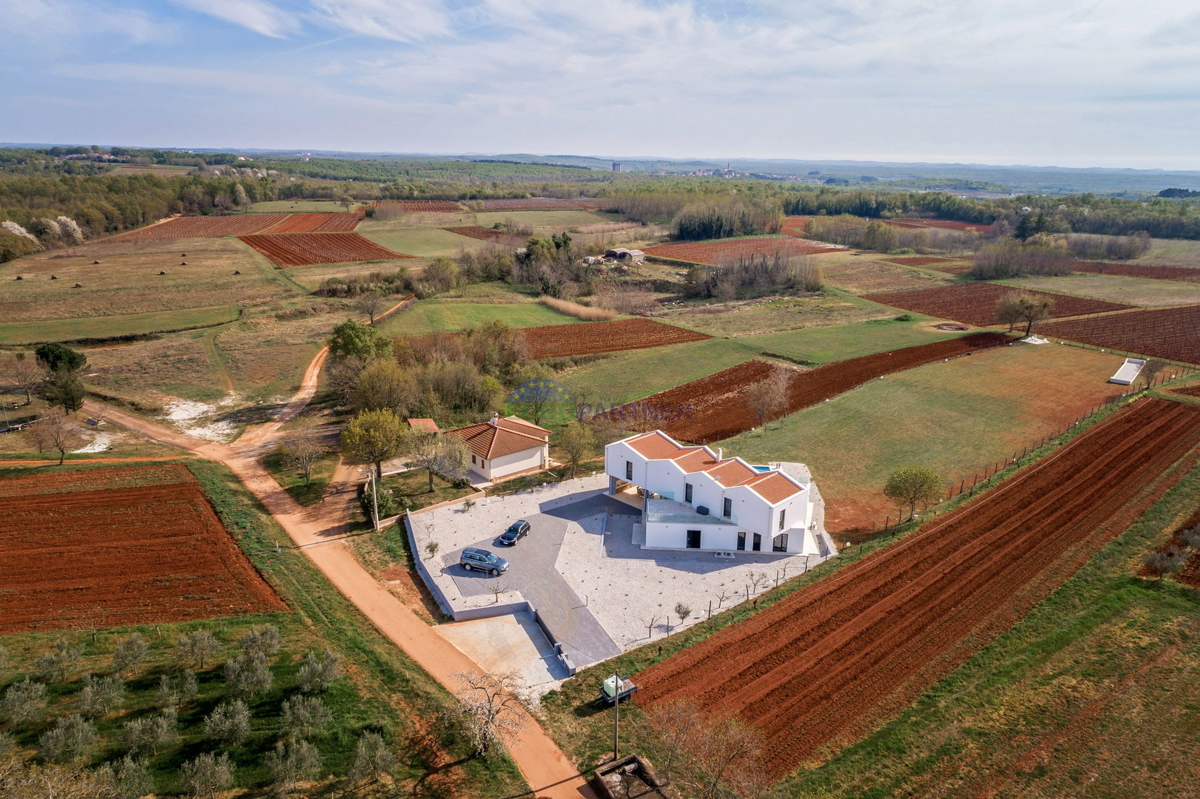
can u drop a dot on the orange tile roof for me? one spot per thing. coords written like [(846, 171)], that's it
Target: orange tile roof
[(654, 445), (489, 440), (524, 426), (694, 460), (731, 472), (773, 487), (427, 425)]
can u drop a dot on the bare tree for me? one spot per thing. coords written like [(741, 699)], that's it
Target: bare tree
[(768, 398), (370, 303), (55, 432), (436, 453), (576, 442), (1151, 370), (722, 595), (491, 706), (678, 723), (650, 622), (27, 375), (496, 590), (302, 448), (723, 745)]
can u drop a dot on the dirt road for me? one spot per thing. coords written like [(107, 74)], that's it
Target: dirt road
[(318, 533)]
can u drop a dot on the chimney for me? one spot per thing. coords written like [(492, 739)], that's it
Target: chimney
[(720, 454)]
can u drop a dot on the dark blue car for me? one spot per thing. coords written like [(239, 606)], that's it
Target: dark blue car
[(515, 532)]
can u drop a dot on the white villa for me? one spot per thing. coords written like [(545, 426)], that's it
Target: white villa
[(503, 447), (694, 498)]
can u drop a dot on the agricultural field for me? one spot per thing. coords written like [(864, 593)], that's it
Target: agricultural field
[(828, 663), (1171, 252), (828, 308), (535, 204), (485, 234), (115, 547), (303, 207), (1112, 288), (1168, 333), (937, 224), (417, 206), (161, 170), (317, 223), (99, 327), (421, 242), (975, 303), (931, 416), (432, 316), (127, 281), (817, 345), (865, 276), (544, 221), (1178, 273), (716, 407), (303, 249), (714, 252), (202, 227), (794, 226), (588, 338)]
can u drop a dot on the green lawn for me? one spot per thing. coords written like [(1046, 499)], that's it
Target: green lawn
[(106, 326), (840, 342), (428, 316), (1172, 252), (293, 481), (382, 689), (956, 417), (423, 242), (1116, 288), (626, 376), (411, 489)]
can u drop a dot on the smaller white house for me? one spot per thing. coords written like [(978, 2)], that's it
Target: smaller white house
[(694, 498), (501, 447)]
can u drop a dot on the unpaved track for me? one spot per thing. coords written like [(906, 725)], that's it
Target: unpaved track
[(318, 532), (832, 660)]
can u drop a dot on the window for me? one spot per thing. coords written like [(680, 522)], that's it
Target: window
[(782, 514), (779, 543), (628, 470), (693, 539), (727, 508), (741, 545), (687, 492), (758, 542), (472, 459)]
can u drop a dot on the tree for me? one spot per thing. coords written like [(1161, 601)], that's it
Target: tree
[(913, 484), (302, 448), (70, 739), (491, 707), (305, 716), (683, 612), (131, 778), (370, 303), (54, 665), (1160, 564), (384, 384), (1033, 310), (678, 723), (207, 776), (342, 376), (1009, 311), (55, 356), (372, 759), (248, 674), (197, 648), (147, 735), (229, 723), (722, 747), (1151, 370), (63, 389), (353, 339), (240, 198), (175, 692), (101, 695), (373, 437), (576, 442), (768, 397), (434, 452), (23, 701), (319, 671), (293, 763), (27, 375), (264, 640), (431, 548), (129, 653), (537, 391)]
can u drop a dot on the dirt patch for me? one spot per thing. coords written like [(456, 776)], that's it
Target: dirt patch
[(117, 547), (975, 303), (829, 662), (716, 407), (1164, 333), (560, 341), (714, 252), (864, 276), (948, 326)]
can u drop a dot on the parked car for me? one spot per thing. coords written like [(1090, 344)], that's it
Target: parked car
[(515, 532), (473, 559)]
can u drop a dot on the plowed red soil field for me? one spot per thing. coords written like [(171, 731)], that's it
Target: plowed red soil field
[(195, 227), (1180, 273), (716, 407), (588, 338), (1169, 333), (317, 223), (303, 249), (794, 226), (942, 224), (919, 260), (542, 204), (418, 206), (485, 234), (111, 547), (710, 253), (831, 661), (975, 303)]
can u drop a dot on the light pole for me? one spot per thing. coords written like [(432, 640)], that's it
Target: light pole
[(616, 715)]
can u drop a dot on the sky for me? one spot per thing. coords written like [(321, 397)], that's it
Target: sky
[(1064, 82)]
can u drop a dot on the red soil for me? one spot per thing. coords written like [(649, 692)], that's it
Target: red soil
[(415, 206), (1164, 333), (975, 303), (542, 204), (833, 660), (918, 260), (942, 224), (192, 227), (322, 223), (1180, 273), (92, 554), (794, 226), (303, 249), (711, 253), (485, 234), (588, 338), (716, 407)]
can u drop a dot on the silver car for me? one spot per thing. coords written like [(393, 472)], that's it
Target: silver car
[(473, 559)]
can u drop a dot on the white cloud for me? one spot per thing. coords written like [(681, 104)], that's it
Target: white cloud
[(397, 20), (258, 16), (51, 23)]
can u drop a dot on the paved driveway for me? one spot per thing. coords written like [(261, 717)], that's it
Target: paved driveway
[(532, 571)]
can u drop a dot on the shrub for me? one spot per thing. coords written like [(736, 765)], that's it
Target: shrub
[(68, 740), (229, 723), (207, 775), (319, 671)]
